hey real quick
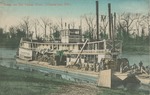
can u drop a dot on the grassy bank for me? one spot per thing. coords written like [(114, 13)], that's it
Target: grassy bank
[(18, 82), (122, 92)]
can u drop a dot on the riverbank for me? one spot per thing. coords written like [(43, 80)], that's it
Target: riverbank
[(136, 49), (19, 82)]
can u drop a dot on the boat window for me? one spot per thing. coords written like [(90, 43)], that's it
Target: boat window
[(21, 44), (50, 47), (58, 46), (73, 46), (76, 32), (101, 45), (33, 45), (30, 45)]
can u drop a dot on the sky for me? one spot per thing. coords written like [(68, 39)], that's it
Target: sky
[(12, 11)]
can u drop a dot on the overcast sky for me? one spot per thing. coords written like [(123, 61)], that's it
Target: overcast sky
[(11, 11)]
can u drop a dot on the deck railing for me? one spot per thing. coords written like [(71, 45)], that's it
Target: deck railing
[(106, 46)]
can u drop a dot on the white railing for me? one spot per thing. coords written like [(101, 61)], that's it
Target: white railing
[(88, 52), (106, 48)]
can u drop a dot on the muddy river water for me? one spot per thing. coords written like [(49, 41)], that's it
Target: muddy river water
[(8, 57)]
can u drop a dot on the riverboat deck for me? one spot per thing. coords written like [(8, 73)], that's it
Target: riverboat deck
[(90, 76)]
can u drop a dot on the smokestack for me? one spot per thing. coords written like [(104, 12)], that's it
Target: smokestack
[(97, 20), (112, 36), (114, 25), (112, 28), (109, 16)]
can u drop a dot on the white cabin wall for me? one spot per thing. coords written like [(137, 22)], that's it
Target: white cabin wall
[(26, 45), (70, 61), (65, 39), (100, 56), (75, 47), (44, 47)]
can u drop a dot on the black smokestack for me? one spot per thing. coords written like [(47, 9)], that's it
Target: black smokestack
[(114, 25), (109, 15), (97, 20)]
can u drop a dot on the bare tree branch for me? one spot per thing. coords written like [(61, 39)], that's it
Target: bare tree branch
[(45, 24)]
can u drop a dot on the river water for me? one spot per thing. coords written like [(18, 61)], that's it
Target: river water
[(7, 57)]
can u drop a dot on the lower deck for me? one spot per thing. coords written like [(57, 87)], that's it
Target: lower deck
[(72, 74), (69, 73)]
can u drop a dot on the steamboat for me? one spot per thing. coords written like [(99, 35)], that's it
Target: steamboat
[(78, 56), (71, 53), (70, 50)]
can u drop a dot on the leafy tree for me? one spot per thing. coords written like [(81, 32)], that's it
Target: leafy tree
[(88, 35), (56, 35), (1, 35), (20, 33)]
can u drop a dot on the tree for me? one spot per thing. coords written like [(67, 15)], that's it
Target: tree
[(54, 31), (45, 25), (35, 23), (125, 25), (1, 35), (56, 34), (12, 32), (146, 19), (87, 35), (26, 25), (20, 33), (103, 27), (138, 23), (91, 26)]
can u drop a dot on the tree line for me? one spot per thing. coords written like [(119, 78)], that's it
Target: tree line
[(130, 28)]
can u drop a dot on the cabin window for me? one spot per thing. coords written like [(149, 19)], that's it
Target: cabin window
[(58, 47), (50, 47), (68, 47), (31, 45), (79, 47), (21, 44), (67, 33), (101, 45), (76, 32), (73, 46)]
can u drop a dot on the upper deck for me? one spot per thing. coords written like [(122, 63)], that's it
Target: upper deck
[(95, 47)]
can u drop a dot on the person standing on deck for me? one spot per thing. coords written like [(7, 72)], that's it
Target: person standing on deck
[(141, 64), (121, 67)]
